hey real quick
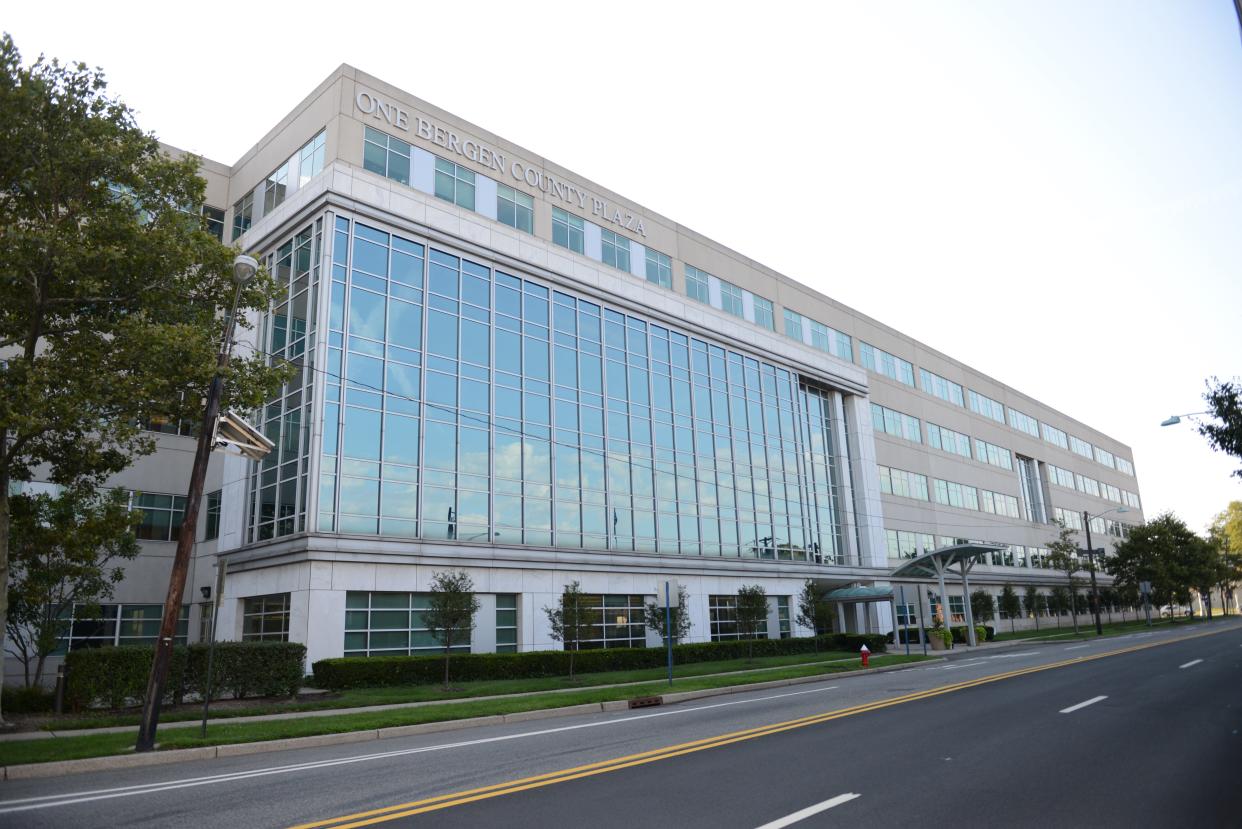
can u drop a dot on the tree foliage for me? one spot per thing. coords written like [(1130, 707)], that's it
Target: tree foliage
[(571, 620), (65, 550), (111, 290), (982, 605), (451, 607), (1166, 553), (812, 607), (1034, 601), (752, 612), (655, 618), (1010, 604), (1063, 556), (1224, 399)]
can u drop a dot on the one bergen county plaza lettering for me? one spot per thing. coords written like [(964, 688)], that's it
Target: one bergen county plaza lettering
[(504, 368)]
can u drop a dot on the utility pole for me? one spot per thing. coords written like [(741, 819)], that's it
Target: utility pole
[(244, 269), (1095, 590)]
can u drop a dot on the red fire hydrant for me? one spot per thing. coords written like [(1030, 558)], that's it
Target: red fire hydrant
[(866, 654)]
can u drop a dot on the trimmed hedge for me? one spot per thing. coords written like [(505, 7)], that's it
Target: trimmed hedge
[(36, 699), (114, 677), (375, 671), (982, 634)]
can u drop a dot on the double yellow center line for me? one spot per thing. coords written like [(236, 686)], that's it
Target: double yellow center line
[(431, 804)]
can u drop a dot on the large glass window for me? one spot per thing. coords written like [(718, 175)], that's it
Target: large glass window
[(992, 454), (938, 386), (763, 313), (515, 208), (469, 404), (161, 515), (266, 618), (889, 365), (722, 619), (506, 622), (310, 159), (730, 298), (1054, 435), (986, 406), (568, 230), (86, 626), (697, 284), (385, 624), (243, 214), (386, 155), (893, 422), (793, 325), (948, 440), (454, 183), (276, 187), (1024, 423), (214, 217), (212, 529), (615, 250), (659, 269)]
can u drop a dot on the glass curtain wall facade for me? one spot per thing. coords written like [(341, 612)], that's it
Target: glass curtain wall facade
[(466, 404), (279, 484)]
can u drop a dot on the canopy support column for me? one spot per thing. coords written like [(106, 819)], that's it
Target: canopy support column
[(970, 615)]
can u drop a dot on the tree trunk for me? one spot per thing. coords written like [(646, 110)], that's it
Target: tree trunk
[(448, 649), (571, 660), (4, 551), (1012, 629)]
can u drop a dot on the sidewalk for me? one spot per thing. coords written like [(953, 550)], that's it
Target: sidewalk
[(333, 712)]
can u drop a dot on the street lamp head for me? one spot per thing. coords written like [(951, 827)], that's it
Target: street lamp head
[(244, 268), (1172, 421), (1122, 509)]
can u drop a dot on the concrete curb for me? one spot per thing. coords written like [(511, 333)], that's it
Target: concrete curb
[(124, 761)]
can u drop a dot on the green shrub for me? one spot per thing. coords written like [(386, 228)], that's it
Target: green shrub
[(991, 633), (959, 634), (373, 671), (114, 677), (21, 700)]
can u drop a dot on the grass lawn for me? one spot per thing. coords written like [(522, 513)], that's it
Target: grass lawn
[(357, 697), (219, 733), (1086, 628)]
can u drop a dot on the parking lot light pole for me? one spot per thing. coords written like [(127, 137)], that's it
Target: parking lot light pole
[(244, 269)]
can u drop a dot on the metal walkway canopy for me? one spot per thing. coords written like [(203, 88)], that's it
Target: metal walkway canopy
[(860, 594), (936, 563)]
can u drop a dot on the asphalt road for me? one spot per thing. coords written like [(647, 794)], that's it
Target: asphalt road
[(980, 741)]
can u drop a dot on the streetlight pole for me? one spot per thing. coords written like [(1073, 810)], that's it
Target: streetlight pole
[(1095, 589), (244, 269)]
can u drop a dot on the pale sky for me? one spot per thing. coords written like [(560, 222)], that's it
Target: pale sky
[(1049, 191)]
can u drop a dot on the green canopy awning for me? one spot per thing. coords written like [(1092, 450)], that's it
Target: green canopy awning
[(860, 594)]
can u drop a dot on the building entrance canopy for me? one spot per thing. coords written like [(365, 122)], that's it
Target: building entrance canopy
[(936, 563)]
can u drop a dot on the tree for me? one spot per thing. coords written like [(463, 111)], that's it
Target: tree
[(1032, 598), (811, 607), (111, 290), (1127, 596), (1226, 533), (1108, 598), (571, 621), (449, 616), (1161, 552), (752, 614), (1058, 602), (1224, 401), (63, 552), (1010, 605), (655, 617), (982, 606), (1063, 556)]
